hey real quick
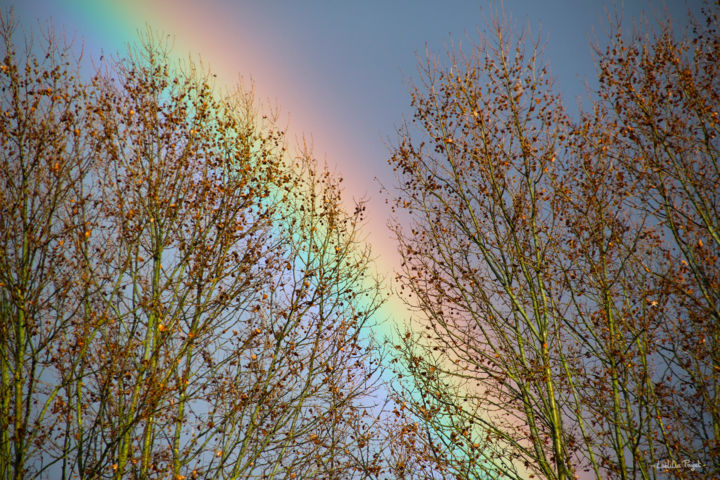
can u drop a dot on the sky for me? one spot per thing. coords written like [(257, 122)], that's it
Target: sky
[(338, 71)]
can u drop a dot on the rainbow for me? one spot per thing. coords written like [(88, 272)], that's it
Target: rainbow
[(223, 36)]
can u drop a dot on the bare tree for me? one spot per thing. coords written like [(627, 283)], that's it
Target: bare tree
[(180, 297), (44, 160), (665, 95), (564, 272)]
